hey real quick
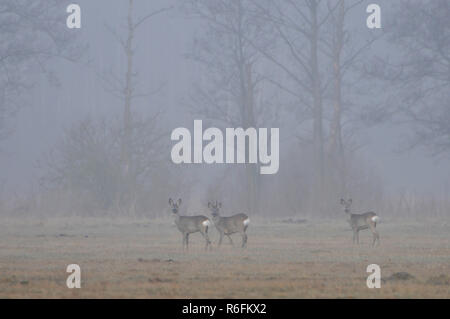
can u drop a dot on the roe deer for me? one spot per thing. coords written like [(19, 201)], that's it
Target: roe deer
[(190, 224), (229, 225), (361, 221)]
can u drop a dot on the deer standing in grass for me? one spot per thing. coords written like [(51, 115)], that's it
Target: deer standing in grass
[(190, 224), (361, 221), (229, 225)]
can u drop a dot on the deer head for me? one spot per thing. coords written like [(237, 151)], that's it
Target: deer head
[(214, 208), (347, 205), (175, 206)]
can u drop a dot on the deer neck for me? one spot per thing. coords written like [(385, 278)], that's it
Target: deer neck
[(216, 219), (177, 218)]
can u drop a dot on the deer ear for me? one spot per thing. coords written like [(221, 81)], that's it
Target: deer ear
[(179, 201), (220, 205), (342, 201), (209, 205), (170, 201)]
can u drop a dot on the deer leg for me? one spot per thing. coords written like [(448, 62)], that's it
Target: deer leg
[(375, 234), (183, 235), (244, 239), (231, 240), (354, 236), (357, 237), (208, 242), (205, 235), (187, 241), (220, 239)]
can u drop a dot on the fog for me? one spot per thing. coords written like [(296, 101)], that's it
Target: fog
[(169, 72)]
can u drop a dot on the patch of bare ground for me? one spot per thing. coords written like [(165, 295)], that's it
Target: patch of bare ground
[(144, 259)]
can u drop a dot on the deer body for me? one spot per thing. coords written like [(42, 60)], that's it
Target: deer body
[(190, 224), (361, 221), (229, 225)]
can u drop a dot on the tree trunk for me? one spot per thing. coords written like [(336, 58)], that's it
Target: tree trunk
[(317, 111), (247, 118), (336, 150), (253, 179), (126, 142)]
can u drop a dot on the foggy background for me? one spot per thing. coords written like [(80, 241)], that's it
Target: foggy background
[(66, 148)]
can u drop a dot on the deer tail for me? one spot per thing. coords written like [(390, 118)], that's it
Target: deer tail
[(206, 223)]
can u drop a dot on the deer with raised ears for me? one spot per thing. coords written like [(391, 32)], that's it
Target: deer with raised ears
[(190, 224), (361, 221), (229, 225)]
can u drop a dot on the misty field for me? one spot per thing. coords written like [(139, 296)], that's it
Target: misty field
[(144, 259)]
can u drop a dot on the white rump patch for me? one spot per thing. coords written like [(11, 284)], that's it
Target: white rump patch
[(375, 219), (246, 221), (206, 223)]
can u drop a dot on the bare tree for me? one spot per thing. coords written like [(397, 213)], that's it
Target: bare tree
[(231, 63), (113, 165), (125, 89), (298, 26), (32, 33), (419, 81), (343, 50), (321, 52), (86, 163)]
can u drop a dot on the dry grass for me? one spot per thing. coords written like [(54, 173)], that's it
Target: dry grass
[(143, 259)]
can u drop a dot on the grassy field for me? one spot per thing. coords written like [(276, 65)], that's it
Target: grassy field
[(144, 259)]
